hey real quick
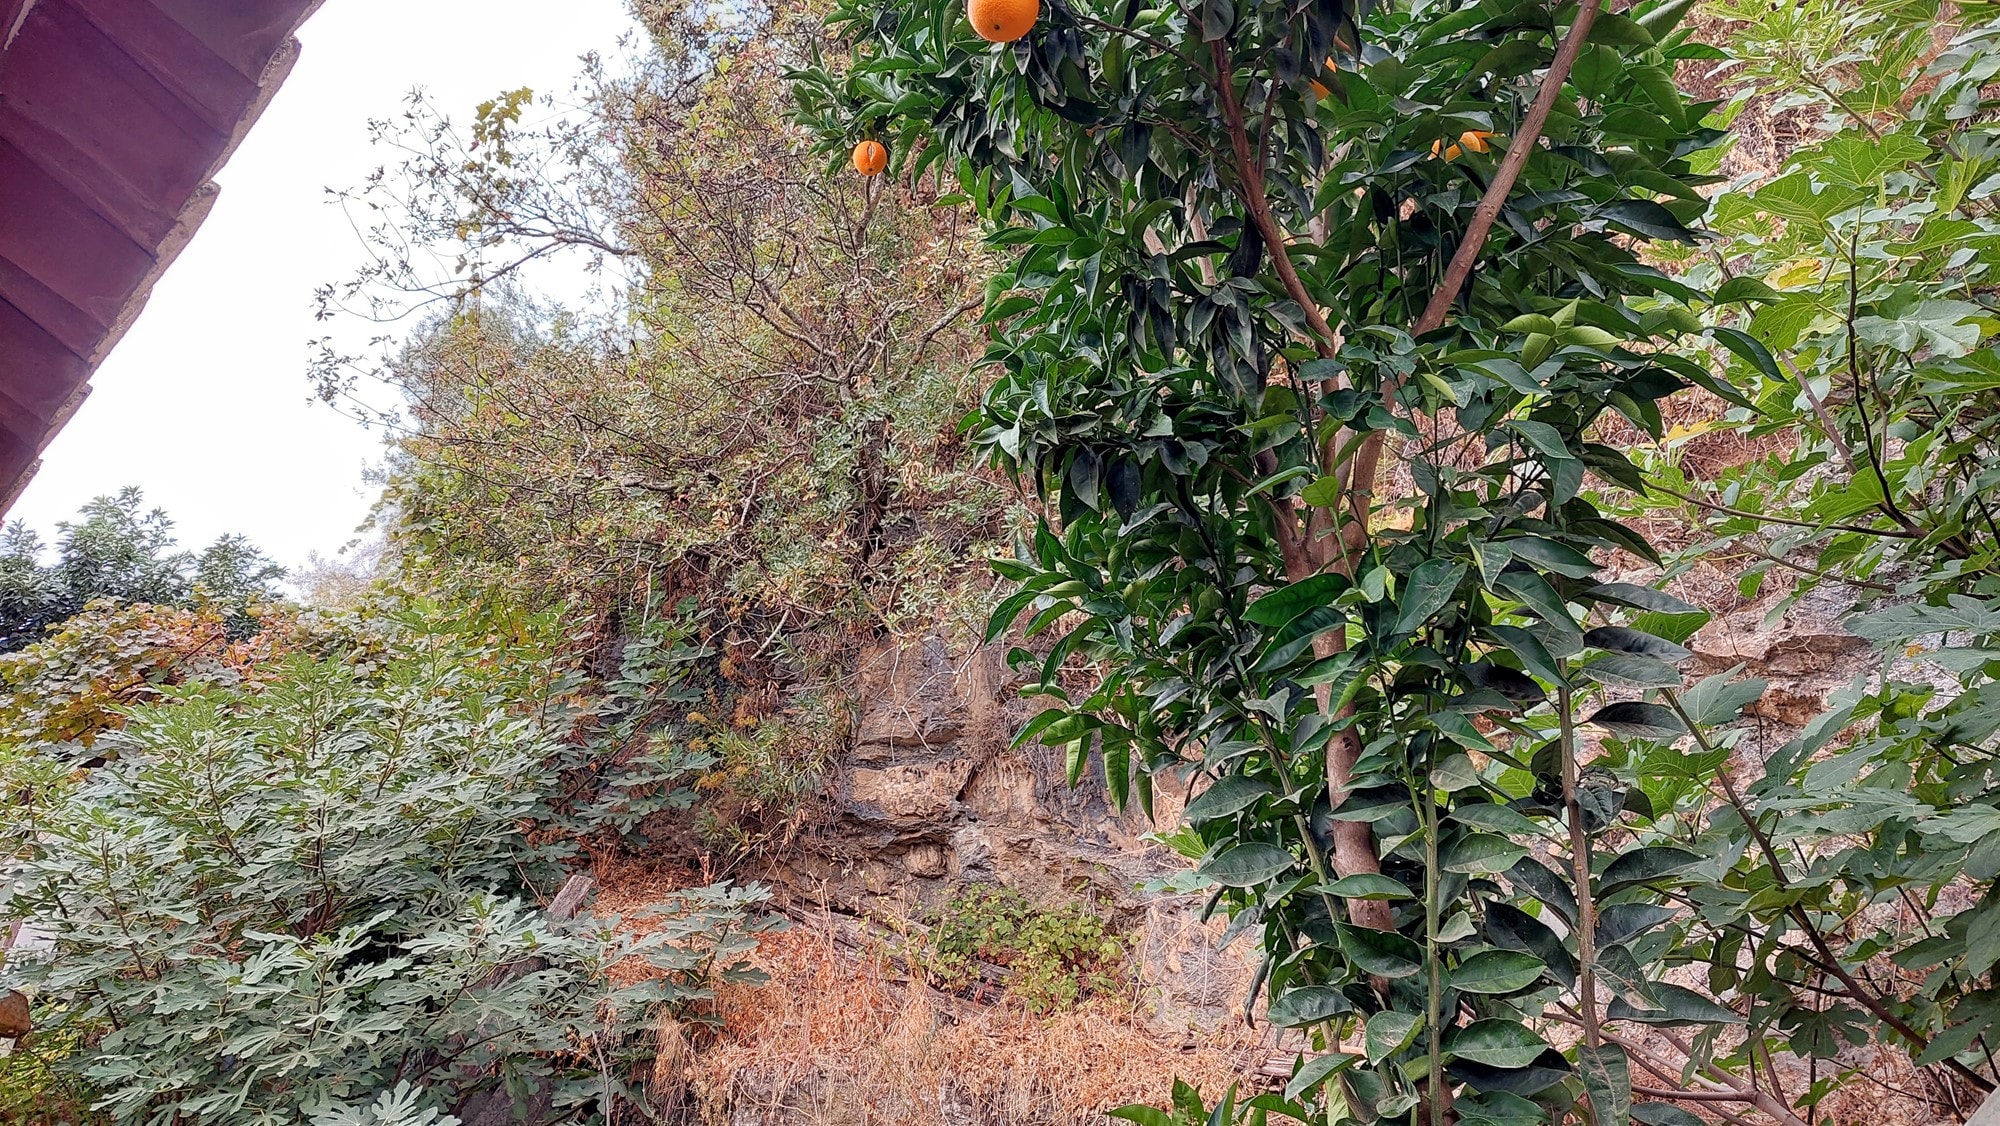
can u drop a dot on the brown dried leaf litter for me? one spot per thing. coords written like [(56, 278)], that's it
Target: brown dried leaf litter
[(839, 1039)]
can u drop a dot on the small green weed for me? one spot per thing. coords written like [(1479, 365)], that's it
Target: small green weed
[(1054, 957)]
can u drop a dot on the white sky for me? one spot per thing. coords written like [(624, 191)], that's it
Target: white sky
[(205, 403)]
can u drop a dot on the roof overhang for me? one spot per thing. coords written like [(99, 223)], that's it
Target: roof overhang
[(114, 117)]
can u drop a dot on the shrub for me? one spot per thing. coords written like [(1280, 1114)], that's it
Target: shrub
[(35, 1088), (65, 690), (1055, 957), (298, 903)]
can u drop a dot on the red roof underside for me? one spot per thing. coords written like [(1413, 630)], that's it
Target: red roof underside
[(114, 114)]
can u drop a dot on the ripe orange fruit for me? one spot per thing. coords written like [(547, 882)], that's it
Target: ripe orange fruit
[(1439, 149), (870, 158), (1318, 87), (1475, 140), (1002, 21)]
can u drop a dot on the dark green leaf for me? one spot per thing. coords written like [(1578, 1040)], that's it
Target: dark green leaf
[(1368, 885), (1748, 348), (1381, 953), (1607, 1078), (1296, 1008), (1633, 720), (1640, 598), (1288, 602), (1496, 971), (1533, 655), (1496, 1043), (1720, 699), (1663, 17), (1647, 219), (1247, 865), (1389, 1032), (1561, 638), (1621, 922), (1511, 928), (1623, 670), (1744, 289), (1618, 639), (1552, 556), (1664, 1114), (1481, 853), (1231, 794), (1643, 865), (1315, 1070), (1430, 586), (1678, 1006)]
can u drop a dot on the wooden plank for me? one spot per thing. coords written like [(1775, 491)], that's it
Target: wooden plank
[(41, 377), (245, 35), (65, 245)]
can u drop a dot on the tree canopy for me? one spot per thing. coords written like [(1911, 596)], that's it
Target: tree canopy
[(118, 549)]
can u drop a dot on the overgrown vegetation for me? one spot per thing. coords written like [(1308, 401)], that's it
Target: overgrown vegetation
[(1347, 357), (116, 550), (1455, 777), (1049, 957), (317, 900), (764, 425), (1859, 907)]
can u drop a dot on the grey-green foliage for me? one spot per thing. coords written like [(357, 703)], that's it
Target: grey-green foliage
[(289, 905)]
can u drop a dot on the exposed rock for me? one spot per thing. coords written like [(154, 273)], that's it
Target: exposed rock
[(911, 797), (932, 798)]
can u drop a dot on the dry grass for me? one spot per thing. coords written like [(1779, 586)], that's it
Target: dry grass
[(836, 1038), (845, 1038)]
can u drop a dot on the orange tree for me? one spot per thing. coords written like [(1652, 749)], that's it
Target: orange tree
[(1314, 321)]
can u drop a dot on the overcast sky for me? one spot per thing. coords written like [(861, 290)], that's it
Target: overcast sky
[(205, 403)]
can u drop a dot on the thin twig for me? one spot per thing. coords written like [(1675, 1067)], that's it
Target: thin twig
[(1866, 996), (1767, 518)]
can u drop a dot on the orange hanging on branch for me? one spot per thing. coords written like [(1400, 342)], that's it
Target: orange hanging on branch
[(1319, 88), (1002, 21), (1472, 140), (870, 158)]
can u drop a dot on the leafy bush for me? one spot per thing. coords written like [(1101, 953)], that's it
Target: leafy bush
[(1858, 905), (63, 691), (298, 902), (1054, 957), (36, 1088), (1257, 255)]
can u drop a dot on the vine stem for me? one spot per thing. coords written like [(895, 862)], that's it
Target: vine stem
[(1579, 848), (1766, 518), (1440, 1092)]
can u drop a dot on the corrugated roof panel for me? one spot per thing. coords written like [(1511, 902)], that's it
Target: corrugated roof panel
[(114, 114)]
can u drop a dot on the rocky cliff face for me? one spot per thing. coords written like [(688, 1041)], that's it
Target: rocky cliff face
[(931, 797)]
